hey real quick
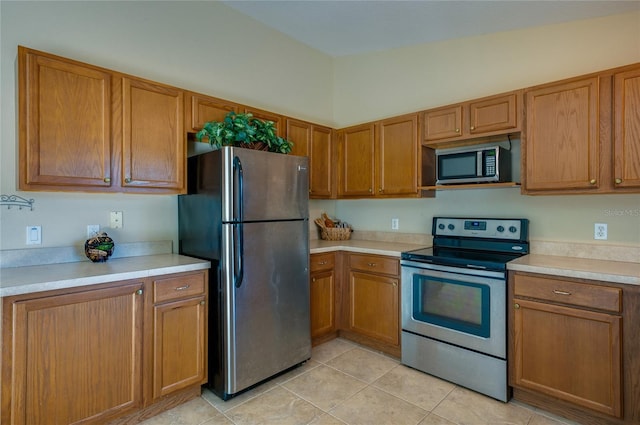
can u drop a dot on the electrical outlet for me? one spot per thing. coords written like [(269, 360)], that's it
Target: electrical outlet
[(34, 235), (93, 230), (395, 224), (116, 219), (600, 231)]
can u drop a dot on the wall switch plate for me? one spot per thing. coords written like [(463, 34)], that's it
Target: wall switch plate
[(34, 235), (93, 230), (395, 224), (116, 219), (600, 231)]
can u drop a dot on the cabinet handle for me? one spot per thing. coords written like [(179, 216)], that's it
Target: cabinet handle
[(473, 127), (516, 306), (380, 190), (322, 263), (457, 130), (182, 288), (370, 190), (592, 181), (127, 180), (139, 292), (107, 180), (371, 264), (201, 302), (313, 280), (618, 181), (395, 283), (559, 292)]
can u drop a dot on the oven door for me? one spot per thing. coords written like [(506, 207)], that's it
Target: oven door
[(458, 306)]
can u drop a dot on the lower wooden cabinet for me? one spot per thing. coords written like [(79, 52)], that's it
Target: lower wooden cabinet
[(323, 297), (372, 294), (80, 355), (567, 353)]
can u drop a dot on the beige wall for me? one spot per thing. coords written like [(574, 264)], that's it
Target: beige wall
[(201, 46), (209, 48)]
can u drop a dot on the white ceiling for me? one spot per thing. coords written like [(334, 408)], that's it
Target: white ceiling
[(347, 27)]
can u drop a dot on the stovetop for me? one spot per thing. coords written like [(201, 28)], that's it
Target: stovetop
[(486, 243)]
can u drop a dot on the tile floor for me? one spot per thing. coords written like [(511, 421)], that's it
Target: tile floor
[(345, 383)]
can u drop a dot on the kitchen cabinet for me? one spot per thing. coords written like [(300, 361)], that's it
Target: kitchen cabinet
[(76, 358), (379, 159), (200, 109), (179, 356), (315, 142), (626, 144), (372, 301), (153, 138), (573, 348), (278, 120), (66, 138), (118, 351), (84, 128), (582, 134), (490, 116), (323, 297)]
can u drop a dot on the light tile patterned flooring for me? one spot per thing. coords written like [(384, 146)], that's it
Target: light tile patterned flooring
[(345, 383)]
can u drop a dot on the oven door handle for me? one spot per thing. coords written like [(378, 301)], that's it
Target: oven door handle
[(474, 266)]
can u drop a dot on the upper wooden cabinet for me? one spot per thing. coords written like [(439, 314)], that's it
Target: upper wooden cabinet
[(626, 116), (315, 142), (583, 134), (489, 116), (562, 135), (278, 120), (200, 109), (84, 128), (379, 159), (65, 123), (153, 138)]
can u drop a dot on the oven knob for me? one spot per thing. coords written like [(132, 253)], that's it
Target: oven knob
[(441, 226), (513, 229), (500, 229), (451, 227)]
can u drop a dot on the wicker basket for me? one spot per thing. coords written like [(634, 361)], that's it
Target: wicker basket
[(333, 233)]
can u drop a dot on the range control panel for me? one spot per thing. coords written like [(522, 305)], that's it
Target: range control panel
[(494, 228)]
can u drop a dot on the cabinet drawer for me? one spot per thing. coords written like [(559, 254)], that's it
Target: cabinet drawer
[(322, 261), (176, 287), (375, 263), (568, 292)]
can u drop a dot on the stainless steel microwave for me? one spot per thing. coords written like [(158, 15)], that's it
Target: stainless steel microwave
[(473, 165)]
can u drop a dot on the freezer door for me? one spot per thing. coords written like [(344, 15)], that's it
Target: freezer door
[(263, 185), (266, 296)]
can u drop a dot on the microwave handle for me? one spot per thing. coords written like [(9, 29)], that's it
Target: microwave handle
[(479, 163)]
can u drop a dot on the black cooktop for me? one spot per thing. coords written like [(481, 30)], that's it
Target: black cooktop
[(456, 257)]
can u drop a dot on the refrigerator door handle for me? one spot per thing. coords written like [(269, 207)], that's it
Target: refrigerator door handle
[(238, 189), (239, 253)]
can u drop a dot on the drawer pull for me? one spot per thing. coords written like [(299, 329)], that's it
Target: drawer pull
[(371, 264), (322, 263), (182, 288), (139, 292), (559, 292), (516, 306), (201, 302)]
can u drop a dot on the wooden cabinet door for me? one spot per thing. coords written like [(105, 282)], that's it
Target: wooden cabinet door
[(278, 120), (356, 161), (321, 163), (562, 136), (153, 145), (374, 307), (323, 303), (81, 355), (396, 155), (493, 114), (201, 109), (570, 354), (443, 123), (65, 123), (299, 133), (626, 146), (179, 345)]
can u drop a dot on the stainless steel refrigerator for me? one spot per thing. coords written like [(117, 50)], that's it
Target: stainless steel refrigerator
[(247, 212)]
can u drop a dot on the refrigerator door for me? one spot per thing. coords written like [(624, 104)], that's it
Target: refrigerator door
[(266, 322), (263, 186)]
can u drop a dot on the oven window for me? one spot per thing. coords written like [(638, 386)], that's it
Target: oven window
[(452, 304)]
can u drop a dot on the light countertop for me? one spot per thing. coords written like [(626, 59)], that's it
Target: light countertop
[(584, 268), (392, 249), (23, 280)]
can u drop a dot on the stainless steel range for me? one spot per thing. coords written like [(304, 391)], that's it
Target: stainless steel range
[(454, 301)]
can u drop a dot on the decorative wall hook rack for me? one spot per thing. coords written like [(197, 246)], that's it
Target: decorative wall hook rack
[(16, 201)]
